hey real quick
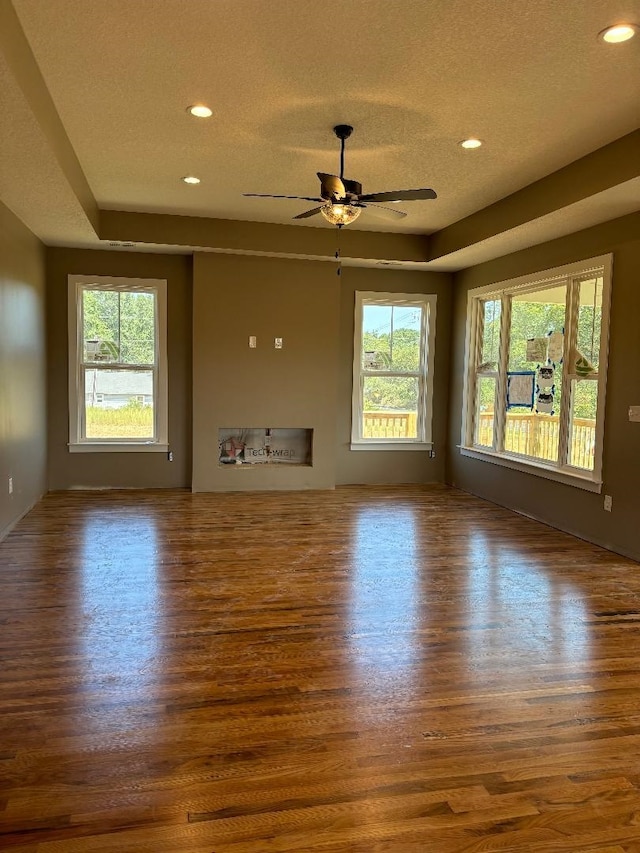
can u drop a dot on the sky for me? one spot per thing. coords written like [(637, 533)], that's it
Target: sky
[(377, 318)]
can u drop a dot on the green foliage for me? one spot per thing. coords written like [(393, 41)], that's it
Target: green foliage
[(390, 393), (537, 319), (486, 391), (125, 320), (100, 313), (402, 353), (585, 399), (532, 320)]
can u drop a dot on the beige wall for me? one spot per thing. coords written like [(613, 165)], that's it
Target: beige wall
[(561, 506), (124, 470), (235, 386), (306, 384), (396, 466), (22, 369)]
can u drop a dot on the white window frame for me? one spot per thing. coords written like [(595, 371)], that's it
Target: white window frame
[(78, 443), (427, 302), (571, 275)]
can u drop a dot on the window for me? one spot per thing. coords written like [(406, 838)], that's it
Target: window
[(536, 372), (117, 364), (393, 371)]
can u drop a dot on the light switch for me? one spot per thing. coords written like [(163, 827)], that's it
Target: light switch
[(634, 413), (278, 343), (252, 341)]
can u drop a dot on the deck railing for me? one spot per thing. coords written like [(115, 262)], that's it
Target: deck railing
[(528, 434), (390, 425), (537, 436)]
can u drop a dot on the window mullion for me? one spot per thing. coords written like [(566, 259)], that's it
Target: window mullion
[(478, 332), (156, 374), (82, 395), (393, 374), (503, 364), (570, 341), (358, 375), (80, 414), (468, 376), (116, 365), (423, 375)]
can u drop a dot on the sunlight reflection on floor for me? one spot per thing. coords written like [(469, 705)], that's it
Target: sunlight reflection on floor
[(385, 599), (120, 596)]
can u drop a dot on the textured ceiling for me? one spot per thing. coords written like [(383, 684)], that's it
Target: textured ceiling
[(531, 79), (31, 181)]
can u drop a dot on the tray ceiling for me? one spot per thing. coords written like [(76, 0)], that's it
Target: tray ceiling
[(531, 80)]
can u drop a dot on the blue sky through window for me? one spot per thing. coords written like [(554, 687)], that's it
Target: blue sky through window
[(377, 318)]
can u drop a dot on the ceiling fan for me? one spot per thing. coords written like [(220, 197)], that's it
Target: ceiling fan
[(342, 200)]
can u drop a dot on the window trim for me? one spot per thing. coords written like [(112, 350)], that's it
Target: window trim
[(428, 304), (572, 274), (78, 444)]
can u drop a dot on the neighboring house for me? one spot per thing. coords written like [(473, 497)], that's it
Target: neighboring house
[(113, 389)]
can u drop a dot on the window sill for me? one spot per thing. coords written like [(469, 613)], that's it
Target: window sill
[(538, 469), (118, 447), (391, 445)]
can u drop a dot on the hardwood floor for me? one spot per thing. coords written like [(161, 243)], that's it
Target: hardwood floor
[(370, 670)]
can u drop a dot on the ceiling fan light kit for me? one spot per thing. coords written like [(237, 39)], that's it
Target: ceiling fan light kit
[(342, 201), (340, 214)]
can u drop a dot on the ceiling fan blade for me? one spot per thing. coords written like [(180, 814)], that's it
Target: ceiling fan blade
[(384, 212), (308, 213), (332, 186), (352, 186), (399, 195), (268, 195)]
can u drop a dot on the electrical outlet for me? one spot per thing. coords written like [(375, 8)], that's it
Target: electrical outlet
[(278, 343), (10, 485), (253, 343), (608, 503), (170, 456)]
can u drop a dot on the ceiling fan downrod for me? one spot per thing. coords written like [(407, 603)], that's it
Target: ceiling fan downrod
[(343, 132)]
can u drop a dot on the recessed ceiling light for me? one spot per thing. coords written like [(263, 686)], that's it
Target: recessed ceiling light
[(200, 111), (619, 33), (471, 143), (190, 179)]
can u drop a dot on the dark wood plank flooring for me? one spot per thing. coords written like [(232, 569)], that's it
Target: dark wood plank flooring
[(371, 670)]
